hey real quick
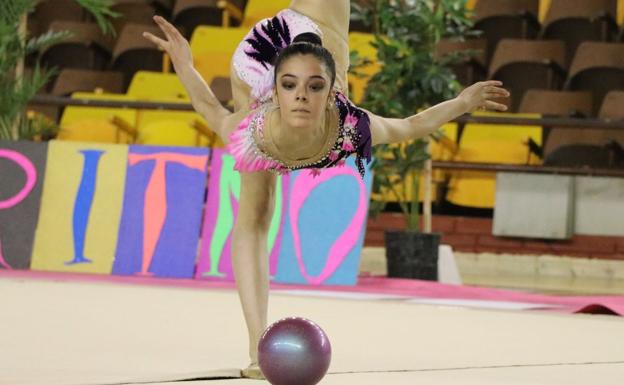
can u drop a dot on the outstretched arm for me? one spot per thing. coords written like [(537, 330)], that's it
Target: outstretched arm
[(478, 95), (202, 97), (250, 257)]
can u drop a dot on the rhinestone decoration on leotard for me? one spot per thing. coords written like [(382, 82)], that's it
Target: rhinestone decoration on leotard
[(252, 62), (353, 137)]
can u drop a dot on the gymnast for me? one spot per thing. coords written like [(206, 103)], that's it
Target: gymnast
[(291, 112)]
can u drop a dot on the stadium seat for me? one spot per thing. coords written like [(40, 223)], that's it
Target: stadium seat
[(98, 124), (164, 7), (557, 103), (594, 147), (86, 48), (169, 128), (133, 52), (134, 11), (576, 21), (216, 39), (612, 106), (505, 19), (470, 69), (526, 64), (165, 127), (489, 143), (192, 13), (213, 48), (442, 147), (257, 10), (73, 80), (147, 85), (48, 11), (213, 64), (597, 67)]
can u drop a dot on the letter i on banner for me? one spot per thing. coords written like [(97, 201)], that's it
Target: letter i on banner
[(163, 200), (325, 226), (22, 166), (80, 207), (215, 258)]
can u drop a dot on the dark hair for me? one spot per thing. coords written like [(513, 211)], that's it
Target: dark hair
[(307, 43)]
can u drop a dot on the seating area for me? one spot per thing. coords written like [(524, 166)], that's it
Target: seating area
[(557, 57)]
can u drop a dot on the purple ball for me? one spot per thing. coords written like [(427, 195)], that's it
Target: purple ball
[(294, 351)]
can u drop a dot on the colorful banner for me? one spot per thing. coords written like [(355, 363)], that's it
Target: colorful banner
[(317, 231), (22, 167), (80, 207), (325, 227), (138, 211), (215, 258), (163, 199)]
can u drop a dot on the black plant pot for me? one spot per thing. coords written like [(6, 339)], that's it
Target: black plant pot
[(411, 254)]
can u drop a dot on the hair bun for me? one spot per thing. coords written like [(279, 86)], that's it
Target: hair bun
[(308, 37)]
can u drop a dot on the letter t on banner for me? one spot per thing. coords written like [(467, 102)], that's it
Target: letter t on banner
[(162, 211)]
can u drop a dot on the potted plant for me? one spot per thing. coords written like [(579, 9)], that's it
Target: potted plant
[(411, 78), (18, 88)]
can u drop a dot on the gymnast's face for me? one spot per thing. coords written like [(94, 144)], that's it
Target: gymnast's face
[(302, 91)]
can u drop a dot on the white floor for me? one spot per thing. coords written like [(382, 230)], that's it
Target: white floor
[(71, 333)]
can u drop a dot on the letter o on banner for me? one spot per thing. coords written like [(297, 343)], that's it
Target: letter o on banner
[(304, 184), (31, 177)]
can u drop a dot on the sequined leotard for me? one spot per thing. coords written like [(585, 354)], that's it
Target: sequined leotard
[(252, 71)]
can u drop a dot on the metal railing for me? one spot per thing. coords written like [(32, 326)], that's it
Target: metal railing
[(558, 122)]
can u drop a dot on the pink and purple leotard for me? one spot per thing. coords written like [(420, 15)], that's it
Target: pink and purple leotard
[(252, 63)]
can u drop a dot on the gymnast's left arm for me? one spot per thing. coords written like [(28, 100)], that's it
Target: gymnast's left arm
[(478, 95)]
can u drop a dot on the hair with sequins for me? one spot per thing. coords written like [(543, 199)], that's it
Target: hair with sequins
[(307, 43)]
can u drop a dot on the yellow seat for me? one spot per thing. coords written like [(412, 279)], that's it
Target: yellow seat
[(213, 64), (360, 42), (442, 149), (257, 10), (213, 48), (95, 124), (207, 38), (170, 128), (149, 85), (164, 127), (169, 132), (489, 143), (152, 127)]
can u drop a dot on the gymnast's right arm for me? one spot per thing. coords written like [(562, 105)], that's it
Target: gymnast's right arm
[(203, 99)]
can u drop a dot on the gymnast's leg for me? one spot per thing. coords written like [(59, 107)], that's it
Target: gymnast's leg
[(334, 14)]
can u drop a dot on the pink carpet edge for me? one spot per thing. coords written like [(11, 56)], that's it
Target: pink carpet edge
[(611, 305)]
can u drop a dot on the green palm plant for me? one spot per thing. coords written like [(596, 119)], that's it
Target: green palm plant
[(411, 78), (16, 88)]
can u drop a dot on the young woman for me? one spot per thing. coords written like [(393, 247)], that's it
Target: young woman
[(289, 79)]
